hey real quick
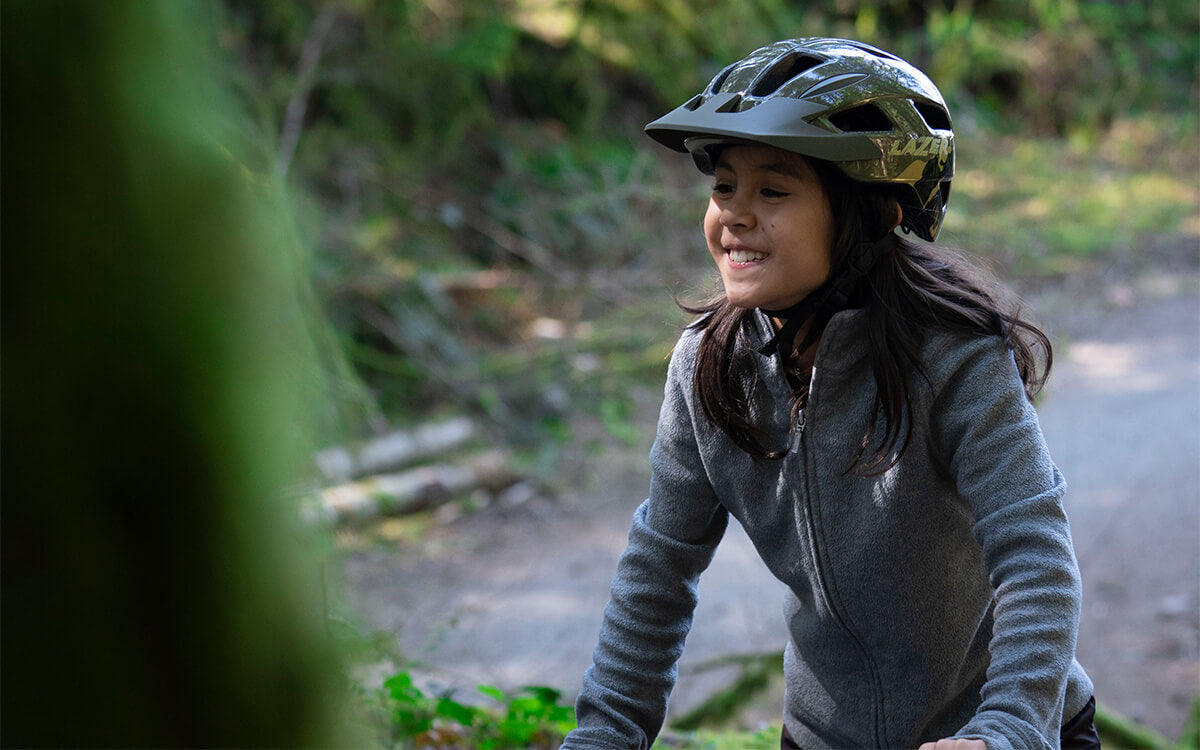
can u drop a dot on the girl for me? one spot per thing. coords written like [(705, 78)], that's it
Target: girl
[(859, 402)]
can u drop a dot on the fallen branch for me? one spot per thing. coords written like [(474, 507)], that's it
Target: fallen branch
[(395, 450), (413, 490)]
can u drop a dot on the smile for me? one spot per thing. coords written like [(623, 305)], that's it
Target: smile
[(744, 255)]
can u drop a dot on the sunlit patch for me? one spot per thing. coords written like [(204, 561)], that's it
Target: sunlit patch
[(1104, 360), (547, 328), (1118, 368)]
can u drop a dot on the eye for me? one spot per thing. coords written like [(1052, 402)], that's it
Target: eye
[(722, 188), (771, 193)]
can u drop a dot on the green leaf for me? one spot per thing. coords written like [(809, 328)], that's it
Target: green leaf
[(400, 686), (562, 715), (518, 732), (544, 694), (524, 708), (455, 711), (493, 692), (409, 723)]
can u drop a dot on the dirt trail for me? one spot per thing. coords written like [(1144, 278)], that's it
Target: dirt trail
[(513, 595), (1122, 417)]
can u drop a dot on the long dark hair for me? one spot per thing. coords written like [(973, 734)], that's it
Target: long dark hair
[(913, 289)]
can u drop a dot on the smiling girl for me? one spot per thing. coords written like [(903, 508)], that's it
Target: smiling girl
[(860, 403), (768, 227)]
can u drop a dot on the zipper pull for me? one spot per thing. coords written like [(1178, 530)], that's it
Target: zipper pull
[(797, 433)]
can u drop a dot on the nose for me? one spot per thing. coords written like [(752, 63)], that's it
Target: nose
[(737, 211)]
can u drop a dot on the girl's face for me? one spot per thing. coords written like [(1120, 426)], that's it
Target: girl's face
[(768, 227)]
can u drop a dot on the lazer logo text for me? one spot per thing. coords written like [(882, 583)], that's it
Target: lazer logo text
[(923, 146)]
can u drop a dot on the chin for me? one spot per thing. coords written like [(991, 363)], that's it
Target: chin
[(741, 300)]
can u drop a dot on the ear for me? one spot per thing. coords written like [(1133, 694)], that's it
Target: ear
[(899, 216)]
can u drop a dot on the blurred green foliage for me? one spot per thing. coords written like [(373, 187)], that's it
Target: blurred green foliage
[(1099, 198), (475, 173), (159, 372), (404, 716)]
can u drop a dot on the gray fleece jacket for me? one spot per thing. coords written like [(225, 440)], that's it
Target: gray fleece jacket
[(938, 599)]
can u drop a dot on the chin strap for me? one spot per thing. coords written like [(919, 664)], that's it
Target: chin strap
[(833, 295)]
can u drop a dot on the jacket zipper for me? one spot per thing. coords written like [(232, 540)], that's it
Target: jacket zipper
[(797, 432), (818, 570)]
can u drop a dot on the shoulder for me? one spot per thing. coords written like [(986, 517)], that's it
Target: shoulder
[(683, 355), (947, 355), (968, 381), (974, 388)]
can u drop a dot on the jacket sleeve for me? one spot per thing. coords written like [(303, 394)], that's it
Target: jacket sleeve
[(672, 540), (989, 434)]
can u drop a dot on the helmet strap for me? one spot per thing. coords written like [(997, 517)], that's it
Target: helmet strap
[(833, 295)]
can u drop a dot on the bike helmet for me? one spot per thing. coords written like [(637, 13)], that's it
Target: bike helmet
[(873, 115)]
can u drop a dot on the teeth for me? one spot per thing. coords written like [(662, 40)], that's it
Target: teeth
[(740, 255)]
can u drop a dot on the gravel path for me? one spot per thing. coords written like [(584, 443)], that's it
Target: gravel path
[(1122, 416), (512, 594)]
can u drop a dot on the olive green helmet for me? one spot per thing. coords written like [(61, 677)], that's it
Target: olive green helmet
[(873, 115)]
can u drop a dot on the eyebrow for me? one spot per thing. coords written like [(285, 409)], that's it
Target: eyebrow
[(785, 169)]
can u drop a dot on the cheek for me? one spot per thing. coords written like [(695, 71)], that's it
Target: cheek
[(711, 214), (712, 225)]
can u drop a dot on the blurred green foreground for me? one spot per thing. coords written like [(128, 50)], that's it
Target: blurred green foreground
[(155, 407)]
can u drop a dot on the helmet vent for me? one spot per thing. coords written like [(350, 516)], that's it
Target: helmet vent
[(694, 103), (935, 117), (873, 50), (865, 118), (719, 80), (783, 71), (829, 85)]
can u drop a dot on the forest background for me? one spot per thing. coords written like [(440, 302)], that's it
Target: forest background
[(492, 232)]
